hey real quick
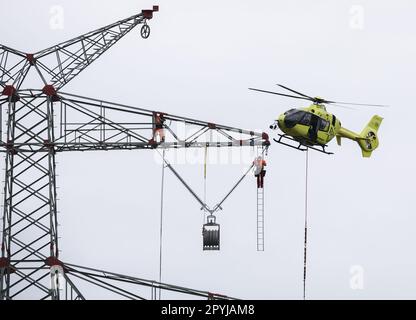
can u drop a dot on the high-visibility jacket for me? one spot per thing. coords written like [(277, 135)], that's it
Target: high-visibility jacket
[(259, 166)]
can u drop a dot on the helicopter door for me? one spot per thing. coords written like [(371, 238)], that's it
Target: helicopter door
[(313, 128), (324, 126)]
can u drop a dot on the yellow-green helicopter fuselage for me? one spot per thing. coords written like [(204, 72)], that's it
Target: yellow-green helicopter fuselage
[(314, 126)]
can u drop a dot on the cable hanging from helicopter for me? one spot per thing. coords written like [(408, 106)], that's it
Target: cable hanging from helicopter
[(314, 127)]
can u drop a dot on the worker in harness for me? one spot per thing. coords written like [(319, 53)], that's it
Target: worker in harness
[(259, 171), (158, 130)]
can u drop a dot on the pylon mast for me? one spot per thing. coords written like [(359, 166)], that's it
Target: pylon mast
[(44, 121)]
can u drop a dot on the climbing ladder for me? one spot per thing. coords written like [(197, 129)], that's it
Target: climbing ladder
[(260, 211), (260, 219)]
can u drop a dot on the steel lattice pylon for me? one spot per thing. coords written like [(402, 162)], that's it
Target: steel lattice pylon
[(42, 122)]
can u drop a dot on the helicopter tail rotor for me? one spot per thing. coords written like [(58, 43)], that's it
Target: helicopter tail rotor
[(368, 141)]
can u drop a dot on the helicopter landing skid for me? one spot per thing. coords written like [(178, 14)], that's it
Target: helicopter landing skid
[(301, 146)]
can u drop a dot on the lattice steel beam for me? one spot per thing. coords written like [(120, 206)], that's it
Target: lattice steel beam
[(13, 67), (85, 124), (61, 63), (107, 279)]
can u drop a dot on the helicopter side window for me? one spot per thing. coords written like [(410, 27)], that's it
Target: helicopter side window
[(306, 119), (323, 125), (293, 118)]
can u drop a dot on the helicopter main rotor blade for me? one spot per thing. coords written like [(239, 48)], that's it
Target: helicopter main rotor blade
[(318, 100), (359, 104), (301, 94), (341, 106), (279, 94)]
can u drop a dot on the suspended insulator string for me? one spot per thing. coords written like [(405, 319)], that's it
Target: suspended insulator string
[(306, 224), (161, 222)]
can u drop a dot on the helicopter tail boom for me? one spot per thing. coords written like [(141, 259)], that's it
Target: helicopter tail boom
[(367, 139)]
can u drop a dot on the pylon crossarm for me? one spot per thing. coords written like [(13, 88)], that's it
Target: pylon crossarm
[(61, 63), (107, 286), (85, 124), (4, 48), (102, 278), (92, 124), (13, 68), (147, 112)]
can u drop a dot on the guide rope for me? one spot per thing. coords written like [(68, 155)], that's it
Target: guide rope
[(306, 223), (205, 181), (161, 222)]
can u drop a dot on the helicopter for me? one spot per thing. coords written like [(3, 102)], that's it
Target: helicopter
[(314, 127)]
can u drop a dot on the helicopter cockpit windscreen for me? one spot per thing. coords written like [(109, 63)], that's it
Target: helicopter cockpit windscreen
[(293, 117)]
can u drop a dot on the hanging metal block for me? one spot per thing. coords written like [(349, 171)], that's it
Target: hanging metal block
[(211, 234)]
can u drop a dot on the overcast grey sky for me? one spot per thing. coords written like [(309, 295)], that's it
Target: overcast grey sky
[(198, 62)]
